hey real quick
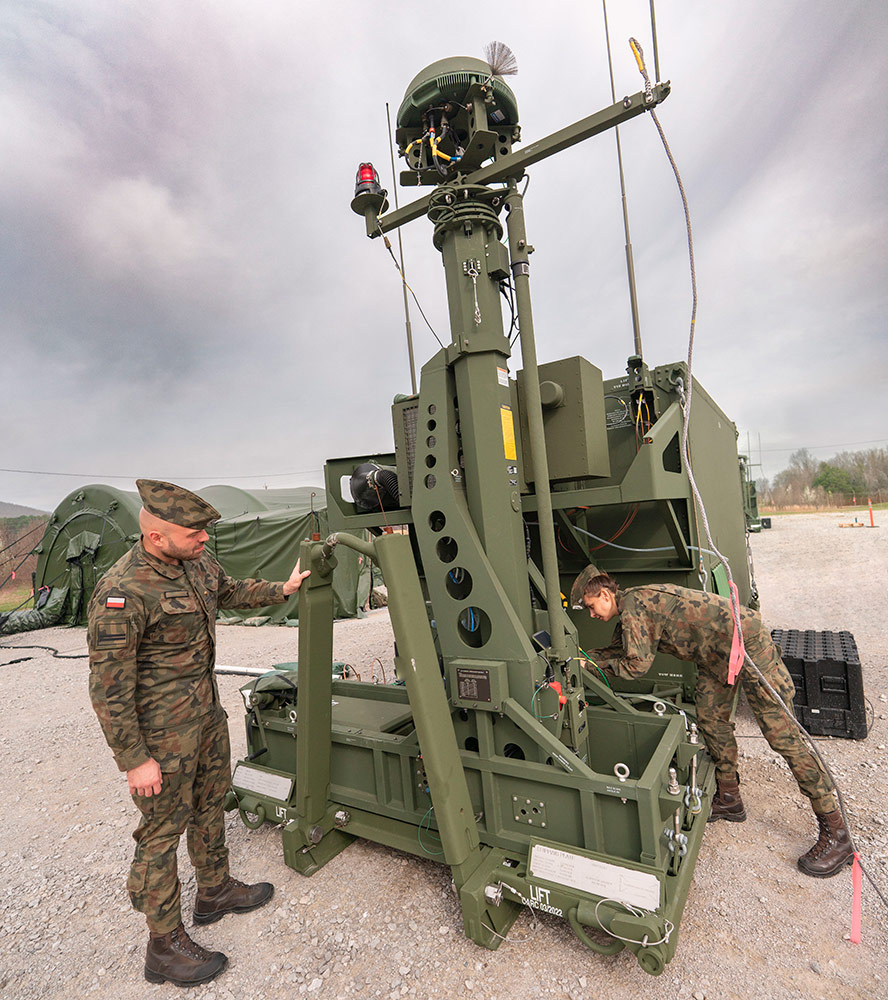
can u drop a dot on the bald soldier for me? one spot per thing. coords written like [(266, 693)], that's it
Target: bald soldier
[(699, 627), (152, 645)]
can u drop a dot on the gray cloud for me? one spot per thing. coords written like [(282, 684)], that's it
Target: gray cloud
[(184, 291)]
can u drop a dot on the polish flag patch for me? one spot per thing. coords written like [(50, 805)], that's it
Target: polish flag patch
[(115, 602)]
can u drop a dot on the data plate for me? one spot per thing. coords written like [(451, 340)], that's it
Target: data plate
[(596, 877), (273, 786), (472, 685)]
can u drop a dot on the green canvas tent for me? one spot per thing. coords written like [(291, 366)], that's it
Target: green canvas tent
[(87, 533), (258, 536)]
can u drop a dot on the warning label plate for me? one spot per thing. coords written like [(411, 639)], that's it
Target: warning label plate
[(251, 779), (596, 877)]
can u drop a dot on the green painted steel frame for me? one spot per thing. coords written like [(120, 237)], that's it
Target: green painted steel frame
[(474, 796), (505, 764)]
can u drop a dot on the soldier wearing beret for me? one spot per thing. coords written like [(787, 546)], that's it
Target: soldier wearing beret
[(699, 627), (151, 640)]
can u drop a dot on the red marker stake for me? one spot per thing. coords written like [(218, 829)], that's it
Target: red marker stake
[(856, 907)]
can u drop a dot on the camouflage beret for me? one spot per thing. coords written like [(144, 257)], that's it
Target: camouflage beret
[(175, 504)]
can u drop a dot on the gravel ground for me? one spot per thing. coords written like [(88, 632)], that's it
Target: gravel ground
[(376, 923)]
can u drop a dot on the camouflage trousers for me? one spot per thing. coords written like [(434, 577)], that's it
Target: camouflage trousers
[(196, 764), (715, 701)]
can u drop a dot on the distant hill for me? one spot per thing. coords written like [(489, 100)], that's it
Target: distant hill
[(16, 510)]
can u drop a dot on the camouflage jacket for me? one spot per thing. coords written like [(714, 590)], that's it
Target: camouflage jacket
[(687, 623), (152, 644)]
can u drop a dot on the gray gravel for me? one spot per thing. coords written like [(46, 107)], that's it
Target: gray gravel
[(376, 923)]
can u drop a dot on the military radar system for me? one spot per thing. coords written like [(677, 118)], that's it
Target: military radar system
[(501, 751), (754, 522)]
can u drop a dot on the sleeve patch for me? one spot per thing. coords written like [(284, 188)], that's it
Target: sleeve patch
[(112, 635), (115, 601)]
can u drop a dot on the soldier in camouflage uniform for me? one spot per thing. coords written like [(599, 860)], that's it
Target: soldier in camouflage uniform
[(699, 627), (151, 640)]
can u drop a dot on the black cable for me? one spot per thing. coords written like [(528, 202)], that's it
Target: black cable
[(503, 285), (388, 247), (51, 649), (39, 527), (12, 574), (516, 322), (12, 559), (98, 475), (421, 313)]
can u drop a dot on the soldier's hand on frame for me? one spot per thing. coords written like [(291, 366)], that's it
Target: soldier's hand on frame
[(146, 779), (295, 581)]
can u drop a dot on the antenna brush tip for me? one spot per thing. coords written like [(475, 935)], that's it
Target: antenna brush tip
[(501, 59)]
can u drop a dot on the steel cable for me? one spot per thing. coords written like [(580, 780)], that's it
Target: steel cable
[(685, 402)]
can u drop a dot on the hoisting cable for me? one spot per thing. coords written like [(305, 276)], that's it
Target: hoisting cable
[(685, 403)]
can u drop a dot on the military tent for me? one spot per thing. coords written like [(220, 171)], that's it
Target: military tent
[(258, 536)]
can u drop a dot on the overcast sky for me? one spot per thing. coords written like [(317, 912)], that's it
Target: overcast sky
[(186, 294)]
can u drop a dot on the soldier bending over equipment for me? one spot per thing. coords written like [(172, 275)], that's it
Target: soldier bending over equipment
[(699, 627), (152, 643)]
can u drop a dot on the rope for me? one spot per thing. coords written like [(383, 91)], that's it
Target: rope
[(685, 403)]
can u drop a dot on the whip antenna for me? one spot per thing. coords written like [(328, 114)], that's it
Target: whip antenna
[(630, 260), (654, 39), (388, 119)]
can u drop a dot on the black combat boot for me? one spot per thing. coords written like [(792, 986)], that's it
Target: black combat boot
[(833, 849), (230, 897), (175, 958), (727, 803)]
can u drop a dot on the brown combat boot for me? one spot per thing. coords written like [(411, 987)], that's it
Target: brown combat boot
[(727, 803), (230, 897), (175, 958), (833, 849)]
